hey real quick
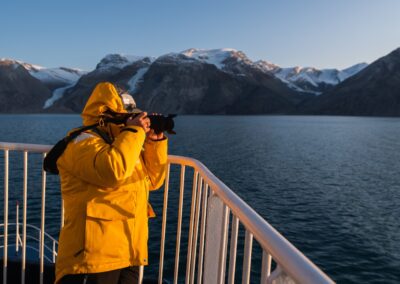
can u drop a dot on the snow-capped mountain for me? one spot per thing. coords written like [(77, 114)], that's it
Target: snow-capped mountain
[(49, 76), (20, 92), (301, 79), (53, 80), (56, 79), (310, 79), (119, 61)]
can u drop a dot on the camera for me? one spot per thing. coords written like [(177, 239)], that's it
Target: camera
[(159, 123)]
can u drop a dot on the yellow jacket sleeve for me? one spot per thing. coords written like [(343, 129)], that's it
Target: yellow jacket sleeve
[(96, 162), (155, 159)]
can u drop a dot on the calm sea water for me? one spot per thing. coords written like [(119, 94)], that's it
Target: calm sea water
[(330, 185)]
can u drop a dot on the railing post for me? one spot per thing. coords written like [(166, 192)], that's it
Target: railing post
[(62, 214), (265, 266), (191, 225), (42, 223), (5, 249), (196, 228), (179, 225), (164, 224), (233, 250), (24, 204), (140, 280), (248, 246), (17, 228), (54, 252), (202, 234)]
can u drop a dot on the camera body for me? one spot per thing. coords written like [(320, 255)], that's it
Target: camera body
[(161, 123)]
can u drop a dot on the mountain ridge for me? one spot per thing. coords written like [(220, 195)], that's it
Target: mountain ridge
[(198, 81)]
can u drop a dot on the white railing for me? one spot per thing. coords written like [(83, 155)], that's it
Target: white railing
[(214, 207), (41, 233)]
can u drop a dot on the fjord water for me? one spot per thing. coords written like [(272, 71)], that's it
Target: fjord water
[(330, 185)]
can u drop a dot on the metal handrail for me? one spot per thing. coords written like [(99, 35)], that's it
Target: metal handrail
[(275, 247), (293, 262)]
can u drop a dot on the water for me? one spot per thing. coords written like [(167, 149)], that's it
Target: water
[(330, 185)]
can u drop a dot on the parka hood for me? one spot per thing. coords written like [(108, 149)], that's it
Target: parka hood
[(104, 97)]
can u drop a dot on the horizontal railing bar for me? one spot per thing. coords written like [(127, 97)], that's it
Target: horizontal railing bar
[(33, 227), (25, 147)]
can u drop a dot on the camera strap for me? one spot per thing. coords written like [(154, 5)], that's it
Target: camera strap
[(103, 135)]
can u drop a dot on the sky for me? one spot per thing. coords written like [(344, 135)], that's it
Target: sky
[(318, 33)]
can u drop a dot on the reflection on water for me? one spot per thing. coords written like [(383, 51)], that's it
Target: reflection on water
[(328, 184)]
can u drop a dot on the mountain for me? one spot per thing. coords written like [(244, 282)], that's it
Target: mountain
[(23, 83), (374, 91), (191, 82), (19, 91), (194, 81), (310, 79)]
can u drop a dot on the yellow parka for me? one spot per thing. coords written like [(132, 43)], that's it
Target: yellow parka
[(105, 191)]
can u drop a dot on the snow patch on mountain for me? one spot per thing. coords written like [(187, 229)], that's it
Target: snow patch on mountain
[(9, 62), (308, 74), (57, 94), (210, 56), (217, 57), (266, 66), (137, 78), (49, 75)]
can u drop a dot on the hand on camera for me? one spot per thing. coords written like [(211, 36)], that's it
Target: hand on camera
[(140, 120)]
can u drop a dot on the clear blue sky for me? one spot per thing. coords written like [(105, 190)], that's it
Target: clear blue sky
[(320, 33)]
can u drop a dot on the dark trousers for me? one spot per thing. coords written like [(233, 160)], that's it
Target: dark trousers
[(120, 276)]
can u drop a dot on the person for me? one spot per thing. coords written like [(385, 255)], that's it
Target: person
[(105, 188)]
